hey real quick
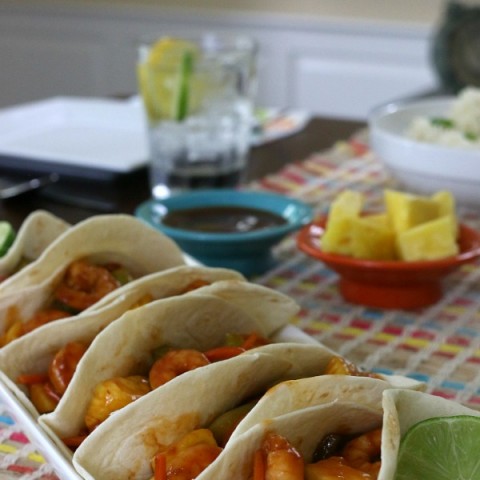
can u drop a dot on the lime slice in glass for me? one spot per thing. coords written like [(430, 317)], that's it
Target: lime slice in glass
[(7, 236), (441, 448), (182, 99)]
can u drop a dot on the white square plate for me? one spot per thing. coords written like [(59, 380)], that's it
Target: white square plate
[(74, 134)]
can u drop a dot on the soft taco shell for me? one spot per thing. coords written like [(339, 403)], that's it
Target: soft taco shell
[(118, 238), (171, 282), (33, 353), (121, 447), (405, 408), (303, 428), (303, 393), (269, 307), (35, 234), (303, 411), (124, 347), (117, 449)]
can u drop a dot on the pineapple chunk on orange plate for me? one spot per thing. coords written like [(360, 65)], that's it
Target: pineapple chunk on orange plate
[(395, 284)]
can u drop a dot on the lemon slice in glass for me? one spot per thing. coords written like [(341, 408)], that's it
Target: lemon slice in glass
[(165, 78), (441, 448)]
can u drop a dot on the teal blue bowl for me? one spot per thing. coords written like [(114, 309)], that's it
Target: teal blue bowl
[(249, 252)]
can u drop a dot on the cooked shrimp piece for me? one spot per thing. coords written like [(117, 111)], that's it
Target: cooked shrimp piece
[(195, 284), (341, 366), (43, 397), (173, 364), (334, 468), (43, 317), (254, 340), (363, 452), (64, 364), (14, 331), (112, 395), (19, 328), (278, 460), (85, 284), (187, 458)]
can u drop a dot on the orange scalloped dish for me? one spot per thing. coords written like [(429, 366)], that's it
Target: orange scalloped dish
[(391, 284)]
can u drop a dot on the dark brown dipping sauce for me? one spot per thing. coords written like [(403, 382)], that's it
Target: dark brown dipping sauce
[(222, 219)]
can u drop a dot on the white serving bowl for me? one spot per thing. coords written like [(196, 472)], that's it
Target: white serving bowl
[(421, 167)]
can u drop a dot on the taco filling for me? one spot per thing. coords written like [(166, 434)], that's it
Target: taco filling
[(336, 457), (82, 285), (45, 389), (168, 363)]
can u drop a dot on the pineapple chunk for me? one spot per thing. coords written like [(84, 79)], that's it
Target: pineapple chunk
[(378, 219), (445, 201), (338, 234), (406, 210), (348, 203), (372, 238), (446, 206), (429, 241)]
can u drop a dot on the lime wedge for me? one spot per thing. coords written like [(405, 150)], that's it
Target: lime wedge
[(183, 98), (441, 448), (7, 236)]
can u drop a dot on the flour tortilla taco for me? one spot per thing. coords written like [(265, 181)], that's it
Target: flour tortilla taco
[(87, 262), (35, 234), (209, 326), (122, 447), (298, 394), (128, 445), (45, 360), (344, 438), (302, 438)]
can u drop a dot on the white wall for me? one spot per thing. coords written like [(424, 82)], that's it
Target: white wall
[(331, 66), (421, 12)]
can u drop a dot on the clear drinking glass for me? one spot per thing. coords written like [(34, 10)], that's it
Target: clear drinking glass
[(198, 95)]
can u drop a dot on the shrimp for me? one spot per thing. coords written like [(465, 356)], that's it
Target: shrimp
[(194, 284), (85, 284), (14, 331), (43, 397), (19, 328), (278, 460), (190, 456), (42, 317), (334, 468), (363, 452), (342, 366), (112, 395), (63, 365), (174, 363)]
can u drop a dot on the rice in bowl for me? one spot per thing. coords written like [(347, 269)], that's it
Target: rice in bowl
[(460, 127)]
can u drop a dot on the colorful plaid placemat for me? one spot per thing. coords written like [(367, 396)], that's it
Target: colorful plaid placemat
[(439, 345), (19, 456)]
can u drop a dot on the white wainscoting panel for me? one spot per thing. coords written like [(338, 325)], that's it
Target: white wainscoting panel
[(335, 68)]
